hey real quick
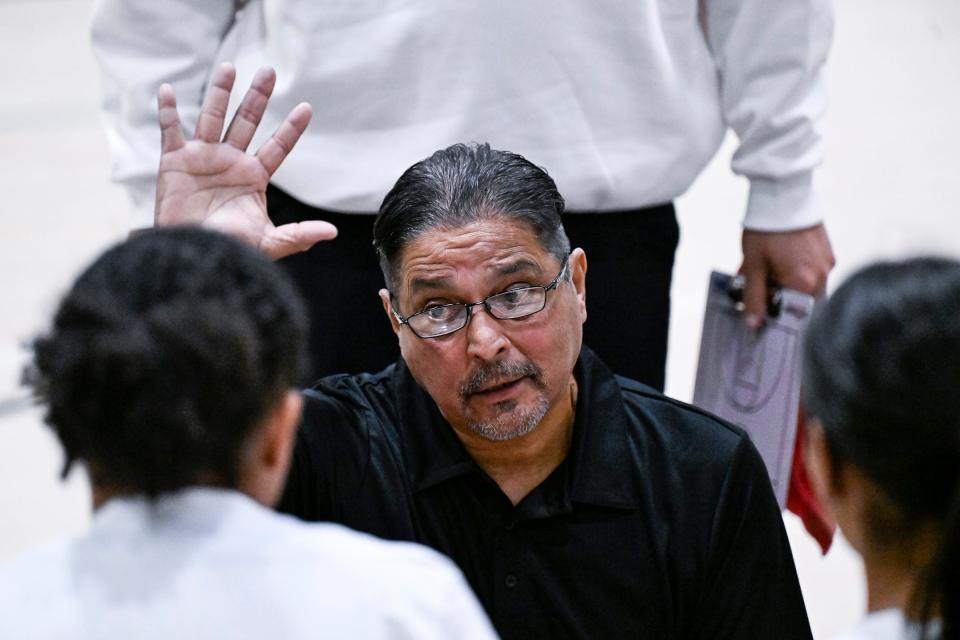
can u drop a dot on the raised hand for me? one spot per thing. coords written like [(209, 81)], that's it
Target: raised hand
[(215, 183)]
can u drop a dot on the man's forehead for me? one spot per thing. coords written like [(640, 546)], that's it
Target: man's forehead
[(493, 247)]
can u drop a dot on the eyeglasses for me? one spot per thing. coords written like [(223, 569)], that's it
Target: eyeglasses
[(513, 304)]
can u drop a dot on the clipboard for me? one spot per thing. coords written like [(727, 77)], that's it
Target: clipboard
[(753, 379)]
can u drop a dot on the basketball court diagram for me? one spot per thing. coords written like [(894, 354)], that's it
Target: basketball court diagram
[(752, 379)]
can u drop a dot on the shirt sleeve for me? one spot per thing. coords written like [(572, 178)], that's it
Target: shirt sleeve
[(138, 45), (751, 588), (770, 57)]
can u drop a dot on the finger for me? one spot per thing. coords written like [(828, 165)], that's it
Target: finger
[(755, 298), (296, 237), (281, 143), (809, 278), (214, 109), (251, 109), (171, 133)]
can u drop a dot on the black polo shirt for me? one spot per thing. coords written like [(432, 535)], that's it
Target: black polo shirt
[(661, 522)]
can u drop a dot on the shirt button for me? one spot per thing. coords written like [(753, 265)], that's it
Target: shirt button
[(510, 581), (508, 526)]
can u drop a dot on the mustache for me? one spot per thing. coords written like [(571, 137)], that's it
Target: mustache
[(494, 372)]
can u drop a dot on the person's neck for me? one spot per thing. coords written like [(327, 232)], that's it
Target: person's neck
[(519, 465), (100, 494), (893, 575), (888, 586)]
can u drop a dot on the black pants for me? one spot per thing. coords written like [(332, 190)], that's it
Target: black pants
[(629, 267), (349, 332)]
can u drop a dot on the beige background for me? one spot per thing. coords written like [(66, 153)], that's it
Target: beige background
[(890, 185)]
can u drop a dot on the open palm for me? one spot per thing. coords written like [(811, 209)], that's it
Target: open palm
[(215, 183)]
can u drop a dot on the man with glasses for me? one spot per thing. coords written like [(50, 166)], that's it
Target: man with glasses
[(577, 503)]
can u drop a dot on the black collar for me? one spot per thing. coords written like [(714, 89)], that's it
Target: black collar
[(599, 472)]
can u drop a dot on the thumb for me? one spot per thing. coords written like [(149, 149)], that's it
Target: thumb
[(296, 237)]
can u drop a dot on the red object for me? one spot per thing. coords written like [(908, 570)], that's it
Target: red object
[(800, 496)]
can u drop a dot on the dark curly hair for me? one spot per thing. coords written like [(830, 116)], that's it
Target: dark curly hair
[(163, 357)]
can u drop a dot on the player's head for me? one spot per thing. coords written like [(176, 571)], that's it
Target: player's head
[(169, 363), (882, 367)]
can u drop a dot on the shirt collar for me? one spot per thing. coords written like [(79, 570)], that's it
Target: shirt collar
[(599, 458), (196, 508), (600, 470)]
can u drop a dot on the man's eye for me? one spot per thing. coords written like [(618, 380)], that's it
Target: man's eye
[(438, 312), (515, 296), (512, 296)]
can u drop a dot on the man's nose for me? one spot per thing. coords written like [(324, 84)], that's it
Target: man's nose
[(485, 335)]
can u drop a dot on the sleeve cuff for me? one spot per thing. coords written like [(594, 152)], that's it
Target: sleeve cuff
[(142, 200), (782, 205)]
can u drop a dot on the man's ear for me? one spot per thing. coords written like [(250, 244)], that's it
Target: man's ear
[(578, 275), (388, 309)]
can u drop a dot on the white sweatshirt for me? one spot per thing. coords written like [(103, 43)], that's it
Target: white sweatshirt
[(623, 103)]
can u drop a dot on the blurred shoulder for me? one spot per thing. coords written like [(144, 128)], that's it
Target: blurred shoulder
[(404, 589), (36, 591)]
